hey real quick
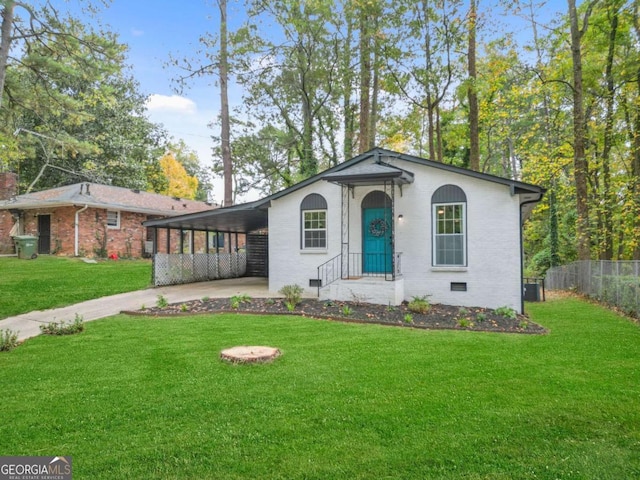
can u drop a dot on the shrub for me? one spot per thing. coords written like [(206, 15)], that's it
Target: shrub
[(292, 294), (8, 340), (465, 323), (507, 312), (346, 310), (184, 308), (236, 300), (290, 306), (419, 305), (162, 302), (63, 328), (481, 317), (408, 318)]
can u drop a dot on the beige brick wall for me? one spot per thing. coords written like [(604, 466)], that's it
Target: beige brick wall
[(6, 223)]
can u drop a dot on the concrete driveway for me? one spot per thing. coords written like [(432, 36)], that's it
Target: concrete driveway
[(28, 324)]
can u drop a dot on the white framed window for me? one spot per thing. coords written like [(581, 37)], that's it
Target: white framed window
[(314, 229), (313, 220), (113, 219), (449, 227), (449, 234)]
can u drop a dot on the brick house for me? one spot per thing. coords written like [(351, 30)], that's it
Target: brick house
[(88, 219)]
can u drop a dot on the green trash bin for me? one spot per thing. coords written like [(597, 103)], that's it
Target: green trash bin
[(26, 246)]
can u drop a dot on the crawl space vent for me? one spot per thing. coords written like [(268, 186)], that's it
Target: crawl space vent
[(458, 286)]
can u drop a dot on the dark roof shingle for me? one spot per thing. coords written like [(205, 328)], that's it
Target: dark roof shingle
[(107, 197)]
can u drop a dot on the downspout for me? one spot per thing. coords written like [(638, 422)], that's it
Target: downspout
[(522, 250), (77, 225)]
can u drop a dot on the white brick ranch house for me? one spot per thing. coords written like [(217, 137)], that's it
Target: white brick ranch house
[(384, 227)]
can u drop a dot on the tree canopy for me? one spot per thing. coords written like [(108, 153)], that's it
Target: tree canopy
[(556, 103), (71, 109)]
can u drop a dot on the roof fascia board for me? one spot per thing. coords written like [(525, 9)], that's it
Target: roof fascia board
[(526, 187), (258, 204)]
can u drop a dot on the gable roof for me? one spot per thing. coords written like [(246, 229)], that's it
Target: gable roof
[(107, 197), (250, 216)]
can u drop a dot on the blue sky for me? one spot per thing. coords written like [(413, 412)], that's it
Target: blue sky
[(154, 31)]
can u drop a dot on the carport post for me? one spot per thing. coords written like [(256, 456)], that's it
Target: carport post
[(155, 240)]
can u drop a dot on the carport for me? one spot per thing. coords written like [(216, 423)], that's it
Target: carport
[(227, 242)]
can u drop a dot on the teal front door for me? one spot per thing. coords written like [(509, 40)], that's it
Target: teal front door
[(377, 225)]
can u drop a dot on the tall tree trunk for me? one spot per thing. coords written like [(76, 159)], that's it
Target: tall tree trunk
[(474, 133), (428, 65), (635, 142), (225, 131), (635, 172), (347, 107), (373, 118), (580, 166), (554, 244), (438, 135), (308, 165), (606, 248), (365, 80), (431, 128), (5, 41)]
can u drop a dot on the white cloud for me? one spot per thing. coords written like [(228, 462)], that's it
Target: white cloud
[(173, 103)]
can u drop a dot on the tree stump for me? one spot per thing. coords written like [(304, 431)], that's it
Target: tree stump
[(249, 354)]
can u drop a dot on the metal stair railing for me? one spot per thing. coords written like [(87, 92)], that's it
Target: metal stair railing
[(329, 272)]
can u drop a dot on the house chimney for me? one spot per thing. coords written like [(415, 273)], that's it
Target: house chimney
[(8, 185)]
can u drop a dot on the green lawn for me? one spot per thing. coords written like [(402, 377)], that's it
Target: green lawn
[(149, 398), (50, 282)]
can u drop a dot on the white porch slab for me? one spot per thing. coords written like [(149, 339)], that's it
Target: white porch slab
[(365, 289)]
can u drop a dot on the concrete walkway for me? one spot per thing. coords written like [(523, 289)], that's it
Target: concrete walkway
[(28, 324)]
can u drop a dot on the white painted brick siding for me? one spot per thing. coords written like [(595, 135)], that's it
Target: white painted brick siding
[(288, 262), (493, 239)]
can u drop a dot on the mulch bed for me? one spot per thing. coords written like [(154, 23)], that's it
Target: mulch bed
[(439, 316)]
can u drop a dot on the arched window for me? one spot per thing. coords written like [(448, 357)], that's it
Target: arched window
[(313, 217), (449, 214)]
